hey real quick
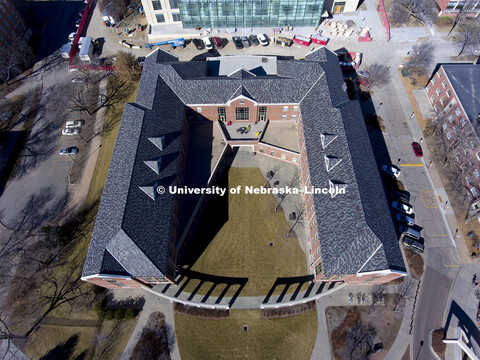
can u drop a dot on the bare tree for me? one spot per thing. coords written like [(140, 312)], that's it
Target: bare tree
[(468, 38), (405, 290), (378, 75), (291, 184), (14, 61), (298, 218), (463, 8), (421, 57), (421, 10), (116, 8), (128, 67), (359, 340)]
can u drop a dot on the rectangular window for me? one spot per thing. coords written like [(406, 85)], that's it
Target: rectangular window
[(199, 109), (435, 107), (468, 179), (294, 160), (465, 151), (444, 126), (450, 118), (457, 111), (474, 192), (442, 100), (262, 113), (173, 4), (449, 136), (437, 91), (295, 108), (285, 108), (428, 88), (434, 81), (272, 153), (177, 17), (439, 73), (476, 173), (473, 144), (294, 117), (449, 92), (462, 122), (160, 18), (284, 117), (455, 128), (471, 163), (157, 5), (261, 150), (463, 167), (242, 113), (444, 83), (222, 114), (432, 98), (478, 155)]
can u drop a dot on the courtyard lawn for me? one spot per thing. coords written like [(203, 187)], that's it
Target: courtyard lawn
[(287, 338), (233, 236)]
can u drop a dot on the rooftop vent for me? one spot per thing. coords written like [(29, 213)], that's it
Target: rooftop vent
[(327, 139), (264, 59), (158, 141)]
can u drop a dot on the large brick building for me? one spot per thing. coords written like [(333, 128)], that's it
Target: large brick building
[(138, 234), (454, 92)]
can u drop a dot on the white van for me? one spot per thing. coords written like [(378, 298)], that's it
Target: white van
[(208, 43)]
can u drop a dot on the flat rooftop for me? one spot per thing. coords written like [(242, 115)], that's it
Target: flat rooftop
[(257, 65), (282, 134)]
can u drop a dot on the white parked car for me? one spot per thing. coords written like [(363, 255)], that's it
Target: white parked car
[(407, 209), (391, 170), (263, 39), (69, 151), (72, 124), (208, 43), (70, 131)]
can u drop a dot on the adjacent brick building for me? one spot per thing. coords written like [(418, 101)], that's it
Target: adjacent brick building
[(138, 234), (450, 8), (454, 92), (13, 30)]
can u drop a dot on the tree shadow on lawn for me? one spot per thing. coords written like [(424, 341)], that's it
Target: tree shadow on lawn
[(65, 350)]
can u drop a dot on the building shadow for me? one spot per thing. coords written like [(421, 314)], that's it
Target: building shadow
[(464, 322)]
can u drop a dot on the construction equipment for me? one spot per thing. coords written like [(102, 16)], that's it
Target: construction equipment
[(173, 43)]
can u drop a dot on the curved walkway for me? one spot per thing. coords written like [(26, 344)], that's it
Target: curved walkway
[(313, 292)]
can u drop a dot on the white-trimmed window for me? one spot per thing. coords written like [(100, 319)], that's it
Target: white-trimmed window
[(199, 109), (177, 16), (160, 18), (283, 156), (295, 108), (471, 163), (473, 144), (468, 179), (478, 155), (444, 83), (450, 118), (438, 91), (428, 88), (449, 135), (439, 73), (462, 122), (435, 107), (444, 126), (434, 81), (294, 159), (294, 117), (465, 151), (476, 173), (157, 5), (442, 100), (449, 92), (474, 191), (285, 108), (284, 117), (457, 111), (272, 153), (455, 128), (432, 98)]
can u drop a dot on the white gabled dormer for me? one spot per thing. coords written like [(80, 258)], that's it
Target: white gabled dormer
[(158, 141), (154, 164), (150, 190), (327, 139), (331, 161), (335, 186)]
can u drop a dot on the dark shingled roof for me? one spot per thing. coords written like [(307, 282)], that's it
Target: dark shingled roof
[(132, 230), (465, 80)]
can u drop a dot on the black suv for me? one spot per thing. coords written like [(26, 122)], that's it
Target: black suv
[(198, 44), (254, 40), (238, 42)]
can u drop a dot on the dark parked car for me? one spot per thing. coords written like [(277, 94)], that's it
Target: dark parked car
[(417, 149), (245, 41), (217, 42), (401, 195), (238, 42), (254, 40), (198, 44)]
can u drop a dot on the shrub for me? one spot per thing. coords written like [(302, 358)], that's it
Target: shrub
[(110, 314), (99, 310), (97, 290), (130, 314), (119, 314)]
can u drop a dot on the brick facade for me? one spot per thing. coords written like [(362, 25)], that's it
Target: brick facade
[(456, 129)]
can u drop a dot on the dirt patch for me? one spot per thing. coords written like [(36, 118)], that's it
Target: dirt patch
[(288, 311), (437, 344), (348, 325), (415, 263), (406, 355), (201, 312)]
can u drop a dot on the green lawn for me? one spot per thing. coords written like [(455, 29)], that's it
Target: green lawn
[(288, 338), (233, 238), (109, 137)]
